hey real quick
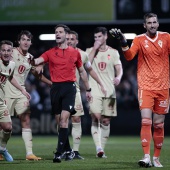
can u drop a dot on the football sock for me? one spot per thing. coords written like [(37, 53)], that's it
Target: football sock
[(95, 131), (146, 135), (27, 137), (105, 131), (5, 138), (158, 138), (67, 145), (76, 134), (62, 137)]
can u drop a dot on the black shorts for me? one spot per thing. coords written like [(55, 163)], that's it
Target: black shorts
[(63, 97)]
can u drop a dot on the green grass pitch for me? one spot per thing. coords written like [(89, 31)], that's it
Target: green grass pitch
[(123, 152)]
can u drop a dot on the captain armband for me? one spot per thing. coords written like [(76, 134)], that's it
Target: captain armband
[(88, 64)]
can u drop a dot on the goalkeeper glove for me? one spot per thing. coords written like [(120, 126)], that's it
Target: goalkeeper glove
[(119, 35)]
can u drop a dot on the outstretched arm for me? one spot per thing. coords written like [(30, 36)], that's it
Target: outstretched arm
[(41, 77), (128, 53)]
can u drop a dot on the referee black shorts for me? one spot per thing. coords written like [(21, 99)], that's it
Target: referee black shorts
[(63, 96)]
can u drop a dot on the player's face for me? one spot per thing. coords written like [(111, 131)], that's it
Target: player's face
[(100, 37), (60, 35), (24, 43), (5, 53), (151, 25), (72, 41)]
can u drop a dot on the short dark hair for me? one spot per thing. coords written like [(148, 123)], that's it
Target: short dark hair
[(149, 15), (101, 29), (74, 33), (6, 42), (25, 32), (66, 28)]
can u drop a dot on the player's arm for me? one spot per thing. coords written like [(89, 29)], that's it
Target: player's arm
[(14, 82), (41, 77), (119, 73), (129, 53), (94, 50), (38, 61), (84, 78), (95, 76)]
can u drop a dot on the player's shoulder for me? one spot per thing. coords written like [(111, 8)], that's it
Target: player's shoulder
[(140, 36), (163, 34), (111, 49), (11, 64), (81, 51)]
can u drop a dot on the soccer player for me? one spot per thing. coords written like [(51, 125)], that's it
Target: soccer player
[(153, 49), (63, 61), (106, 63), (72, 40), (15, 100), (6, 73)]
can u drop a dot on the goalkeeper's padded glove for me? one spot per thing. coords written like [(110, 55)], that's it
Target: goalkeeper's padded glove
[(119, 35)]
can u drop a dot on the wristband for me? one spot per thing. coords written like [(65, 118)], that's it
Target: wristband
[(89, 90)]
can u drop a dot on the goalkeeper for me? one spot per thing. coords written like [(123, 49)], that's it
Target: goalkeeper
[(153, 49)]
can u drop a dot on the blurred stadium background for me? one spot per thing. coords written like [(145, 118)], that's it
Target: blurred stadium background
[(41, 16)]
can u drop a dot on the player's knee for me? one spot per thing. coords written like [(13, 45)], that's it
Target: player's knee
[(146, 122), (76, 119), (105, 121), (7, 127), (158, 125)]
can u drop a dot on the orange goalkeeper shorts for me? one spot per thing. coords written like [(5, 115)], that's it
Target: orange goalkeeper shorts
[(156, 100)]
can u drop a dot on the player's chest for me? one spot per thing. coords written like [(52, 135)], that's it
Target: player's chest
[(5, 72), (22, 64)]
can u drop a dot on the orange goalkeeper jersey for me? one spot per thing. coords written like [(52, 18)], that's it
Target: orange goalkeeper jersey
[(153, 60)]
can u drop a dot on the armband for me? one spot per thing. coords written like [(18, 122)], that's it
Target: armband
[(89, 90)]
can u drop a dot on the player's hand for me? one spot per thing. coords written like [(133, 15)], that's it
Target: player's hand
[(116, 81), (25, 93), (88, 96), (39, 69), (97, 44), (119, 35), (116, 33), (104, 91)]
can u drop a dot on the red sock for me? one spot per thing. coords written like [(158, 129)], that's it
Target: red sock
[(158, 137), (146, 135)]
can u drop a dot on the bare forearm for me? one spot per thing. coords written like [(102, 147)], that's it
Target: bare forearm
[(84, 77), (16, 84), (95, 77), (92, 55)]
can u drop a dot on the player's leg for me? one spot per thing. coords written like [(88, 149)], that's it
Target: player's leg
[(146, 103), (67, 98), (76, 126), (22, 108), (109, 111), (6, 130), (96, 106), (161, 108)]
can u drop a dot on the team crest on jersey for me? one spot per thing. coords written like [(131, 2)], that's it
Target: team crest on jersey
[(2, 78), (102, 66), (21, 69), (160, 43), (108, 56)]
